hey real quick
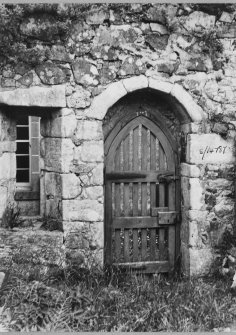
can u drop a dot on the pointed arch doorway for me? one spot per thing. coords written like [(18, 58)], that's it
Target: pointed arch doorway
[(142, 214)]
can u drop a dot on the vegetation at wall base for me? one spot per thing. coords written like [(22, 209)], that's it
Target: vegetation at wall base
[(12, 216), (69, 301), (52, 222)]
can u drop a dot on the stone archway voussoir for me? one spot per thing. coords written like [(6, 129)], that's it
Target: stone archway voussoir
[(105, 100), (184, 98), (135, 83), (162, 86)]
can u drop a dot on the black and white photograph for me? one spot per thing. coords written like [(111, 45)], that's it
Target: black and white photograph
[(117, 166)]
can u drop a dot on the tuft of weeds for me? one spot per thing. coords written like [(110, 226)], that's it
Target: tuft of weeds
[(52, 222), (12, 216)]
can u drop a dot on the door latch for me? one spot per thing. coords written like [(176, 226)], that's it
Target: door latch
[(167, 178)]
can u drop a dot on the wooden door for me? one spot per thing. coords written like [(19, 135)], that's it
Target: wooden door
[(141, 211)]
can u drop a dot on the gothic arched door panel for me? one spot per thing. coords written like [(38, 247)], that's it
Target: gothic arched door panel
[(141, 211)]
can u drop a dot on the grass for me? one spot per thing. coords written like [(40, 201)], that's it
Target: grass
[(77, 299)]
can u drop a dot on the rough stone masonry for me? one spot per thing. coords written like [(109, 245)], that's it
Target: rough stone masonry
[(184, 53)]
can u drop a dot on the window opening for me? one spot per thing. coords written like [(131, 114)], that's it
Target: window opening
[(23, 151)]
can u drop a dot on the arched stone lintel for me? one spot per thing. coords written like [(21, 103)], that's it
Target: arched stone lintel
[(116, 91), (35, 96)]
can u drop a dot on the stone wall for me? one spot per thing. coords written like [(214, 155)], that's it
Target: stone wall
[(182, 53), (7, 160)]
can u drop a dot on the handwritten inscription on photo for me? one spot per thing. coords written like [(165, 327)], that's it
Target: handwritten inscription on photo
[(215, 150)]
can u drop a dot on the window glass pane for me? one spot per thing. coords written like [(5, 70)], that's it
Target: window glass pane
[(22, 133), (22, 148), (22, 162), (22, 176), (23, 120)]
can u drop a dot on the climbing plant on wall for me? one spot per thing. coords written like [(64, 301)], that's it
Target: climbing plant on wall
[(27, 30)]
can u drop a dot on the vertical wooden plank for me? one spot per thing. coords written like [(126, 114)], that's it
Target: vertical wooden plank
[(117, 244), (144, 149), (126, 155), (144, 244), (118, 159), (108, 216), (144, 199), (117, 185), (153, 244), (126, 245), (171, 246), (117, 199), (177, 227), (135, 199), (158, 195), (117, 167), (126, 199), (126, 231), (161, 204), (157, 164), (161, 244), (136, 167), (135, 231), (171, 229), (135, 245), (144, 156), (171, 196), (153, 156), (161, 186), (153, 152)]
